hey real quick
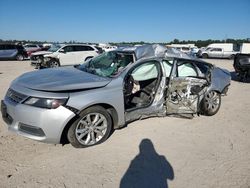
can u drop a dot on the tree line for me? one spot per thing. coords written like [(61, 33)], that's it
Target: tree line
[(198, 43)]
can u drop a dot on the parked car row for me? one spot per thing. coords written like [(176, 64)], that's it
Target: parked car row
[(82, 104), (31, 48), (12, 51)]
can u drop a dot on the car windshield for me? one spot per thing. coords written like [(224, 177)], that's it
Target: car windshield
[(107, 64), (54, 48)]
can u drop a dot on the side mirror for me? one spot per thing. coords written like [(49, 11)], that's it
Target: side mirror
[(62, 51)]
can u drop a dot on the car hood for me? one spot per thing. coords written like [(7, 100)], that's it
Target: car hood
[(41, 53), (60, 79)]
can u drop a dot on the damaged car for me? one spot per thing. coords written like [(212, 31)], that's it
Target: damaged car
[(84, 103)]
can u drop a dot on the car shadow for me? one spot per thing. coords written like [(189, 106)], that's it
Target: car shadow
[(234, 77), (147, 169)]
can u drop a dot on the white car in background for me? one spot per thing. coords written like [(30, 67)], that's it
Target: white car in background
[(70, 54), (109, 48)]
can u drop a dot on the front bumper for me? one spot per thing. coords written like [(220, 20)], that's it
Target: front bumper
[(35, 62), (39, 124)]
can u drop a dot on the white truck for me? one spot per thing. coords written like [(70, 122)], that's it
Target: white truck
[(218, 50), (245, 48), (225, 46)]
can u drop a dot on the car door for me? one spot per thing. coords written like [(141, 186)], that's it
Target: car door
[(67, 55), (80, 53), (10, 51), (2, 51), (185, 88), (215, 52), (142, 90)]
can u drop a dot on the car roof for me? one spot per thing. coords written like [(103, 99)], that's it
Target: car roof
[(154, 50)]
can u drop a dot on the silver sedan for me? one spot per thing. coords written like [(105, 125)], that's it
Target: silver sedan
[(83, 104)]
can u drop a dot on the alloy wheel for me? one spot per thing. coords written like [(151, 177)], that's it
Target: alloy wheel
[(91, 128), (212, 101)]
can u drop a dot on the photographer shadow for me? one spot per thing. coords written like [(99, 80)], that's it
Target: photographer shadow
[(148, 169)]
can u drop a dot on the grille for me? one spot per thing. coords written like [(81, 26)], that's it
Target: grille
[(15, 96)]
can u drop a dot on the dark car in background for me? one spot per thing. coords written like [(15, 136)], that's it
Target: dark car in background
[(12, 51), (242, 66)]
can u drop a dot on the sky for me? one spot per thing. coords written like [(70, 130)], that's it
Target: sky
[(127, 20)]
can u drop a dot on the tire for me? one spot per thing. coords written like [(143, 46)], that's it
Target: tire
[(86, 131), (211, 102), (19, 57), (53, 63), (232, 56), (204, 56)]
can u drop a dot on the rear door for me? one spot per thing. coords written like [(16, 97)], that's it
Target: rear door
[(186, 87), (83, 52)]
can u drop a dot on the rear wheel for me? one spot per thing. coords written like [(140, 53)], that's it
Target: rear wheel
[(211, 103), (204, 56), (19, 57), (92, 127)]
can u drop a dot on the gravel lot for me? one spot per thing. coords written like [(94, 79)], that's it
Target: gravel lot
[(174, 152)]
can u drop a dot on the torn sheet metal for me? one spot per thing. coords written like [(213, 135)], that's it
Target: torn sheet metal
[(184, 95)]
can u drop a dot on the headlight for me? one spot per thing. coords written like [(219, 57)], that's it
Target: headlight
[(45, 103)]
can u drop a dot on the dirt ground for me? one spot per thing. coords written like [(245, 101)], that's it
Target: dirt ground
[(157, 152)]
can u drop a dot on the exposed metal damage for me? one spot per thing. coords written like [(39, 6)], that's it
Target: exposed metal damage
[(184, 95)]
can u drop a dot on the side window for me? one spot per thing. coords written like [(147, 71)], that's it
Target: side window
[(216, 50), (167, 65), (185, 69), (1, 47), (203, 68), (89, 48), (68, 49), (79, 48), (185, 49), (145, 71), (83, 48)]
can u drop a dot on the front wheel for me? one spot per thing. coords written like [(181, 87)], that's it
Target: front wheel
[(92, 127), (232, 56), (211, 103), (53, 63)]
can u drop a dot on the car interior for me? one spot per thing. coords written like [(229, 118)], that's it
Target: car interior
[(140, 85)]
